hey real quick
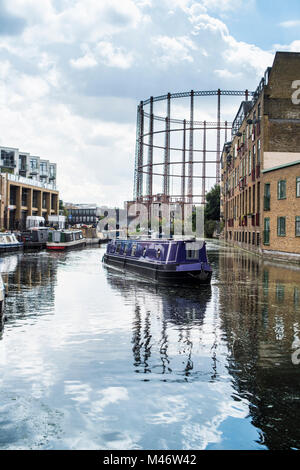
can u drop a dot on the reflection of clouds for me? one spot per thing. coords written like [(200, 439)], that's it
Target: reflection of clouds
[(200, 436), (108, 396), (77, 391), (174, 409)]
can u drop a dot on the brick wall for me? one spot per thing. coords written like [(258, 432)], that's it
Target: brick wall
[(289, 208)]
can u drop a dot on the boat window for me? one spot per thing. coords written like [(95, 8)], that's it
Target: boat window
[(192, 254), (118, 248), (144, 251), (158, 253), (133, 251)]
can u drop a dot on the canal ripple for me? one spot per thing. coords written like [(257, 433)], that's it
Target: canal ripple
[(92, 358)]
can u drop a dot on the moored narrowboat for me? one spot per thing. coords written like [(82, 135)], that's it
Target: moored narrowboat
[(9, 242), (61, 240), (35, 238), (175, 261)]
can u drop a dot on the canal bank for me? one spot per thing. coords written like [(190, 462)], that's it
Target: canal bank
[(94, 359)]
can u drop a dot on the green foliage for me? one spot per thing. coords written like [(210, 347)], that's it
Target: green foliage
[(209, 228), (212, 207)]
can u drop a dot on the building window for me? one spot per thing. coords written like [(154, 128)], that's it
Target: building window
[(298, 186), (267, 197), (267, 231), (297, 226), (33, 165), (43, 169), (281, 226), (282, 189)]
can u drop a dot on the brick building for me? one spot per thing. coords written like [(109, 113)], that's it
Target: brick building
[(262, 164)]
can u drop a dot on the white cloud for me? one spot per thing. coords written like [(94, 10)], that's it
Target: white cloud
[(174, 50), (224, 73), (114, 56), (90, 19), (292, 47), (208, 23), (106, 53), (290, 24), (86, 61), (71, 80)]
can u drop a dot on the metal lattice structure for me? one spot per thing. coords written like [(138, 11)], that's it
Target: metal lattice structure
[(164, 127)]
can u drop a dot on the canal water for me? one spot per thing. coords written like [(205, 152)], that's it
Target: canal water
[(95, 359)]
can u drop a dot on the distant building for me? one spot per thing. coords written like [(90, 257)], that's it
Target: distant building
[(260, 177), (82, 214), (27, 188)]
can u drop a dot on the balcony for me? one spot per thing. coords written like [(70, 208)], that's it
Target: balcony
[(8, 164)]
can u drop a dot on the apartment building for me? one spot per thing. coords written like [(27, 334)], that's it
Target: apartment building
[(22, 164), (27, 188), (260, 173)]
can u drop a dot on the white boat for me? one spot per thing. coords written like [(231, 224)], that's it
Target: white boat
[(61, 240), (9, 242)]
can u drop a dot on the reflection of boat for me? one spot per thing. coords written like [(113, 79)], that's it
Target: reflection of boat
[(9, 242), (8, 264), (35, 238), (183, 261), (179, 305), (65, 239), (166, 325)]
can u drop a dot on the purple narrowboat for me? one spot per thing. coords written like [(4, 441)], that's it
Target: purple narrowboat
[(176, 261)]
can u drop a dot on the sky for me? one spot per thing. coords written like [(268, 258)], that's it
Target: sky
[(72, 73)]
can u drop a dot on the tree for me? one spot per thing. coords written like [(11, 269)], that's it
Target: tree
[(212, 211), (212, 207)]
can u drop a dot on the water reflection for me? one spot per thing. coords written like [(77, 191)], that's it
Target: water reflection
[(29, 281), (260, 317), (94, 359), (164, 328)]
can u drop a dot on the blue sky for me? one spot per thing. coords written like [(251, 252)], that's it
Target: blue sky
[(72, 73)]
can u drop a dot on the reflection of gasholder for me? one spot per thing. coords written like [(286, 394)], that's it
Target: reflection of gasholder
[(162, 324)]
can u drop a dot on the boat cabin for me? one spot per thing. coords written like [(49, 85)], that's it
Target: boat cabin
[(164, 251)]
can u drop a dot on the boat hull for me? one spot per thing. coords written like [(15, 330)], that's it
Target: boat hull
[(63, 246), (168, 273), (11, 247), (34, 245)]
